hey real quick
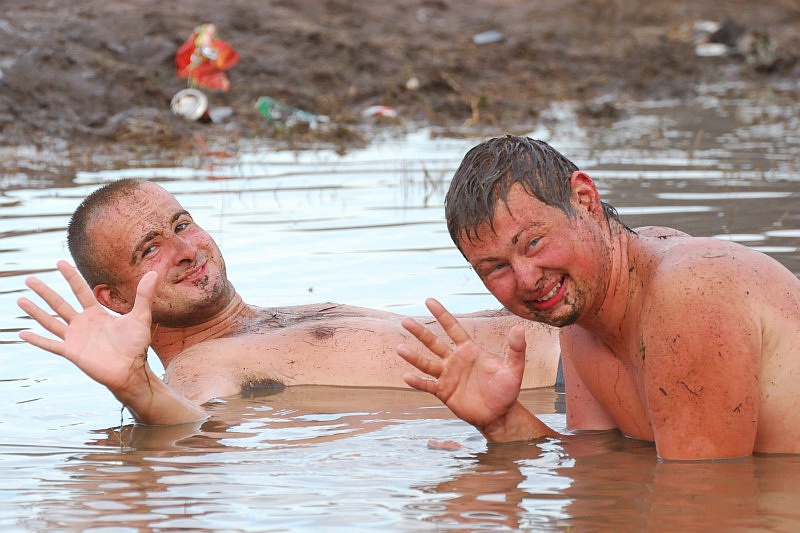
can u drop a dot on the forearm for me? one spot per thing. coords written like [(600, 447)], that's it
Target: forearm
[(153, 402), (518, 424)]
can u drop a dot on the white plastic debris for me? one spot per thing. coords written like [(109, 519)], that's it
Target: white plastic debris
[(487, 37)]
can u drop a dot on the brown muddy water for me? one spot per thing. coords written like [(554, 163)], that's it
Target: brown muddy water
[(366, 228)]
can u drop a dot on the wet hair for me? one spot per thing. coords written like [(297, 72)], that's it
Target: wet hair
[(490, 169), (81, 247)]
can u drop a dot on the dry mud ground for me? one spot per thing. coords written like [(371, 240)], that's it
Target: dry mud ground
[(87, 84)]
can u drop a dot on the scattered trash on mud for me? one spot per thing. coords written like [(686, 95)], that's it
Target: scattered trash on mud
[(284, 115), (379, 111), (82, 82), (192, 104), (488, 37), (714, 39), (203, 59)]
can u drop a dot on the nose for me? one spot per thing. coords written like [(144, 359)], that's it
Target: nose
[(183, 250), (527, 274)]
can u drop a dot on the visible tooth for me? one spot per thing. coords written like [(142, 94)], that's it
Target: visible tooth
[(550, 294)]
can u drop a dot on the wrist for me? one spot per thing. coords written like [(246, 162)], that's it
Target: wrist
[(138, 386), (153, 402), (517, 424)]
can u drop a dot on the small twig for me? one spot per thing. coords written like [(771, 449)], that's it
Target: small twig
[(466, 96)]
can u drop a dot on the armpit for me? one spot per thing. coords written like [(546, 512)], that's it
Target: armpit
[(261, 387)]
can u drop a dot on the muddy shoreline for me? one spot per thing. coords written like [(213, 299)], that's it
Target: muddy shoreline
[(87, 85)]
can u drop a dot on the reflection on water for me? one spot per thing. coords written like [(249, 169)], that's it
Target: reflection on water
[(366, 228)]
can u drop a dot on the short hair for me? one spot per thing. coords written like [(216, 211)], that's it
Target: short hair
[(87, 261), (490, 169)]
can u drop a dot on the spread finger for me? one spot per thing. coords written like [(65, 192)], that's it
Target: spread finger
[(45, 319), (58, 304), (432, 367), (427, 337), (77, 284), (449, 323)]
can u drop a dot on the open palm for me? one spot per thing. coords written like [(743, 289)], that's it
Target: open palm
[(109, 348), (478, 386)]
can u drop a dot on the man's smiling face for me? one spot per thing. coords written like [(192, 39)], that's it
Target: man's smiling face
[(150, 230)]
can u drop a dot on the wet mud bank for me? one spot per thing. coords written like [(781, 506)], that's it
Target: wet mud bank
[(87, 85)]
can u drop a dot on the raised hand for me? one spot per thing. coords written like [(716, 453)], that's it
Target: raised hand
[(478, 386), (110, 349)]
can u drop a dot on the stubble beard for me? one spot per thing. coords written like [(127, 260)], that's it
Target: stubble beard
[(563, 318), (185, 312)]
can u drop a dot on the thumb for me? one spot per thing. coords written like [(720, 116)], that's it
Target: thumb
[(144, 294), (517, 345)]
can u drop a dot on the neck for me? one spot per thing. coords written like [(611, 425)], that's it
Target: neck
[(168, 342), (613, 318)]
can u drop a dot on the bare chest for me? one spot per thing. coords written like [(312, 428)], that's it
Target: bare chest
[(344, 352)]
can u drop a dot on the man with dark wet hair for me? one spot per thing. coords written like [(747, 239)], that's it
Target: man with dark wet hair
[(146, 259), (692, 343)]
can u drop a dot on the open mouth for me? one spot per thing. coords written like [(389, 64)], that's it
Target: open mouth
[(552, 297)]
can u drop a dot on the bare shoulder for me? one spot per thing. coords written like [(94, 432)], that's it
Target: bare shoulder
[(706, 288), (706, 295), (714, 264), (486, 313), (660, 232)]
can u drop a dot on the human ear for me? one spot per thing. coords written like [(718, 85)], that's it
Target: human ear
[(585, 192), (110, 298)]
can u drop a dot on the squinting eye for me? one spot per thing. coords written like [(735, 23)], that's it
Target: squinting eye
[(533, 243), (493, 269), (147, 251), (487, 270)]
